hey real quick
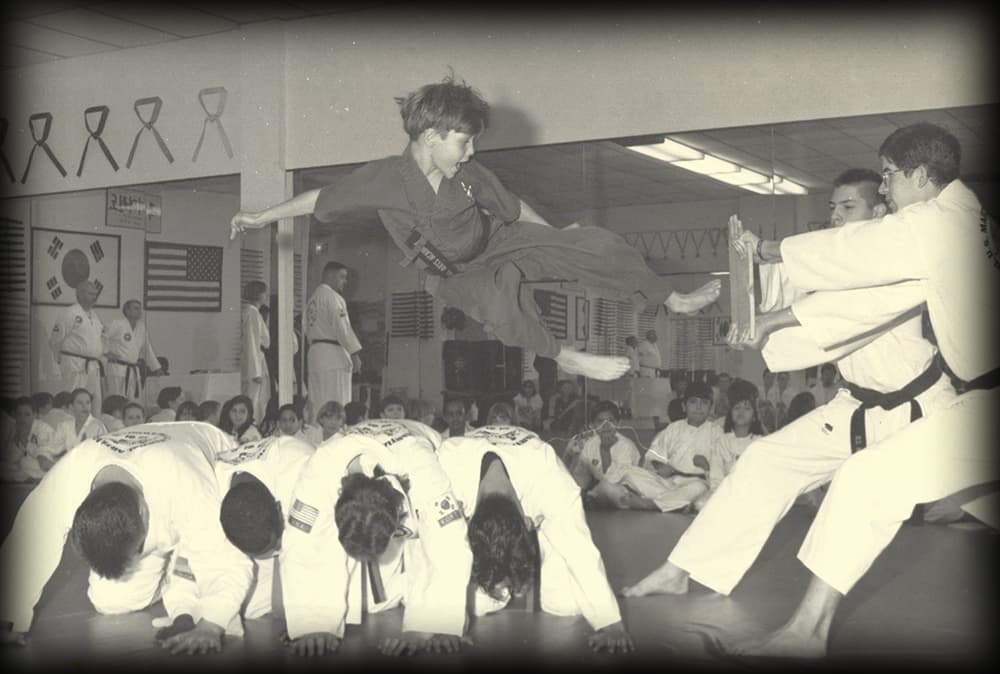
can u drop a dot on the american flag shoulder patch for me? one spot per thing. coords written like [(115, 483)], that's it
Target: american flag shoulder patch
[(303, 516)]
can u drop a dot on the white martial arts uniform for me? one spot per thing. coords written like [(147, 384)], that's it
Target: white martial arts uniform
[(949, 248), (650, 359), (322, 586), (253, 364), (329, 364), (623, 452), (112, 423), (251, 434), (277, 462), (723, 456), (125, 345), (172, 462), (20, 460), (66, 437), (78, 347), (573, 579)]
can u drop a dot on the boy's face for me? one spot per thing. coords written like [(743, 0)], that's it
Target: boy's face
[(454, 415), (81, 406), (742, 413), (393, 411), (24, 416), (604, 424), (132, 416), (697, 410), (288, 422), (331, 423), (450, 151)]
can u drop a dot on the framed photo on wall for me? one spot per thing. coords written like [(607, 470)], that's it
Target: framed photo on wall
[(60, 259), (582, 319)]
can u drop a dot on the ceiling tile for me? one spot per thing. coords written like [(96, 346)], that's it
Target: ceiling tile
[(838, 146), (48, 41), (101, 28), (170, 18), (20, 57)]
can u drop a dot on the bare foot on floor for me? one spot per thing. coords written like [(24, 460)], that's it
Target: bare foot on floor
[(668, 579), (688, 303), (787, 641), (604, 368)]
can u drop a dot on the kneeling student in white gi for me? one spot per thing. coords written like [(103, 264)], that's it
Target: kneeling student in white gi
[(134, 505), (257, 480), (375, 496), (510, 484)]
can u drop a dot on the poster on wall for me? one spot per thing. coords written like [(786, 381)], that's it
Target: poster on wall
[(61, 259), (134, 209)]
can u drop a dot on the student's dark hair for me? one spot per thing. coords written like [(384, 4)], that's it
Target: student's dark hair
[(924, 144), (207, 409), (393, 400), (113, 403), (828, 366), (62, 399), (136, 405), (605, 406), (367, 515), (675, 410), (189, 407), (500, 409), (167, 395), (24, 401), (502, 546), (800, 405), (292, 407), (250, 517), (699, 389), (464, 402), (126, 304), (864, 178), (332, 408), (226, 424), (354, 412), (741, 390), (41, 399), (107, 529), (333, 266), (444, 106), (253, 289), (78, 391)]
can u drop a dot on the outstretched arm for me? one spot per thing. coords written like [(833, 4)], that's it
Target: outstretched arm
[(300, 204)]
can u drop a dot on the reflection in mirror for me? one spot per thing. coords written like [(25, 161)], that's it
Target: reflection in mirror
[(670, 195)]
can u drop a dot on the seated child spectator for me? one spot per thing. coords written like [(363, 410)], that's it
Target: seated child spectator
[(330, 419), (42, 403), (168, 400), (741, 427), (424, 412), (456, 415), (500, 414), (112, 409), (208, 412), (187, 411), (565, 414), (290, 423), (591, 456), (393, 407), (354, 413), (528, 407), (675, 410), (236, 418), (82, 426), (60, 411), (24, 454), (133, 414), (800, 405)]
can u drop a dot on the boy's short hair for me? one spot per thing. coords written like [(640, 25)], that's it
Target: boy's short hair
[(444, 106), (605, 406), (699, 389), (137, 406), (354, 412), (23, 401), (253, 289), (393, 400), (78, 391), (108, 529), (924, 144), (367, 515), (464, 402), (250, 517), (167, 395), (503, 548), (207, 409), (62, 399), (290, 407), (867, 180), (41, 400), (741, 390), (113, 403)]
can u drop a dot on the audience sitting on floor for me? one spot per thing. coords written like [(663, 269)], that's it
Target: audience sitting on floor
[(112, 409)]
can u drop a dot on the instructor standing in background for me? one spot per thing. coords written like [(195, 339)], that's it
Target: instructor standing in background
[(333, 346)]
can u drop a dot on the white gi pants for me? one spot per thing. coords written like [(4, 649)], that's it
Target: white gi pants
[(79, 373), (329, 378), (725, 538), (260, 394), (123, 380)]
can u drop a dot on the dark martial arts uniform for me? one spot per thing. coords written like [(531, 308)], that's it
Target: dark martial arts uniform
[(479, 256)]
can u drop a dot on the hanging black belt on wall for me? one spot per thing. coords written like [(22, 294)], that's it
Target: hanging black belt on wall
[(95, 134), (41, 139), (149, 124), (213, 117)]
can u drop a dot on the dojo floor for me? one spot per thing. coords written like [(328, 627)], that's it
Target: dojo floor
[(929, 601)]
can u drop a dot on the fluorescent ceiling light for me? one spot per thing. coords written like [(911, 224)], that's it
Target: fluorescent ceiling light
[(694, 160)]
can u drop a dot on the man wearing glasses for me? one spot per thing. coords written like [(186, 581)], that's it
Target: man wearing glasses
[(133, 505), (375, 501)]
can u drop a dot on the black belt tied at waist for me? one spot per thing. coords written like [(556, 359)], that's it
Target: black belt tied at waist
[(437, 263), (86, 359), (129, 368), (324, 341), (870, 398), (984, 382)]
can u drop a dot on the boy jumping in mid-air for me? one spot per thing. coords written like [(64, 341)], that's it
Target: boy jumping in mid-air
[(478, 242)]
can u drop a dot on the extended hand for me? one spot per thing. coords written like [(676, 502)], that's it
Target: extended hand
[(315, 643), (743, 240), (407, 643), (446, 643), (243, 221), (182, 623), (355, 362), (205, 637), (613, 639)]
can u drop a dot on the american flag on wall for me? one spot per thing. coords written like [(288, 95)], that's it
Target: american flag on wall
[(183, 278), (552, 309)]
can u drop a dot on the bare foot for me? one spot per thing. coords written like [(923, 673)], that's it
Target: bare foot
[(668, 579), (788, 641), (604, 368), (688, 303)]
